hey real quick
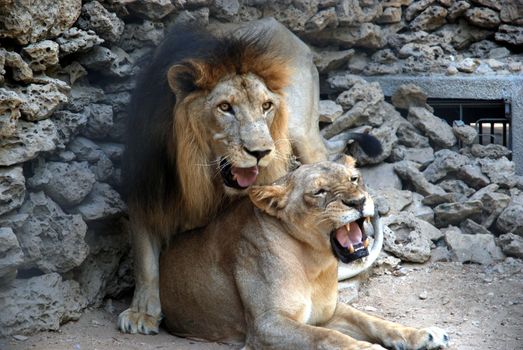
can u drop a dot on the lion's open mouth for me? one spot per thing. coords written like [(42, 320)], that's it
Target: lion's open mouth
[(235, 177), (350, 242)]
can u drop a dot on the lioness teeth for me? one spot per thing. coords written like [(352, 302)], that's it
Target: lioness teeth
[(366, 243), (367, 219), (350, 248)]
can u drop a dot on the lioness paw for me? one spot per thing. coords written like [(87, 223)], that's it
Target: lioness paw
[(433, 338), (131, 321)]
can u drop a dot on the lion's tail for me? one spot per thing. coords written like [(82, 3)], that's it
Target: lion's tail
[(368, 143)]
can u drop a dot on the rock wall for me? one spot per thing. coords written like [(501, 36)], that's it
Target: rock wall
[(66, 73)]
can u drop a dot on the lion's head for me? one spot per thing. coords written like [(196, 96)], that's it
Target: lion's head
[(231, 109), (325, 204)]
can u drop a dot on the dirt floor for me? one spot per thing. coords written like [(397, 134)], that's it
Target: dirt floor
[(480, 306)]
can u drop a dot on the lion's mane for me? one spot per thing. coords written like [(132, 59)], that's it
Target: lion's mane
[(169, 185)]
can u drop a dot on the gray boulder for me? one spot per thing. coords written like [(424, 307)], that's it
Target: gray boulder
[(41, 55), (453, 213), (381, 176), (472, 175), (492, 150), (511, 244), (77, 40), (479, 248), (436, 129), (104, 23), (11, 255), (511, 219), (445, 162), (12, 188), (500, 171), (40, 101), (410, 173), (103, 202)]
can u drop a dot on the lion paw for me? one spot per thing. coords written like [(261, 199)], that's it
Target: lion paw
[(132, 321), (433, 338)]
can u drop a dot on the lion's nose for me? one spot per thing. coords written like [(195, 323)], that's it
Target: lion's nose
[(355, 203), (258, 154)]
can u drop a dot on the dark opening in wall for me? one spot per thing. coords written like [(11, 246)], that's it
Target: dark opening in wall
[(491, 118)]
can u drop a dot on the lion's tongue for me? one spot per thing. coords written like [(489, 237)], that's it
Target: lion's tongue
[(349, 234), (245, 176)]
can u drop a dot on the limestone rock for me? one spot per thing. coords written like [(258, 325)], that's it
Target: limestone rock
[(465, 133), (329, 111), (41, 55), (395, 200), (420, 210), (82, 96), (480, 249), (445, 162), (468, 65), (51, 240), (492, 150), (12, 188), (511, 219), (409, 136), (511, 245), (456, 186), (40, 101), (113, 150), (510, 34), (366, 35), (493, 4), (77, 40), (473, 176), (386, 134), (27, 142), (417, 7), (39, 303), (423, 156), (483, 17), (381, 176), (466, 34), (341, 81), (500, 171), (27, 21), (69, 124), (66, 183), (153, 9), (100, 121), (390, 15), (321, 20), (198, 17), (11, 255), (453, 213), (97, 18), (327, 61), (471, 227), (408, 237), (106, 271), (431, 18), (137, 35), (512, 12), (85, 149), (409, 172), (20, 69), (9, 111), (102, 203), (457, 10), (353, 12), (437, 130), (409, 95)]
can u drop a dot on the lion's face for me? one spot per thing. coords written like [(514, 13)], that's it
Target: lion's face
[(241, 111), (325, 203)]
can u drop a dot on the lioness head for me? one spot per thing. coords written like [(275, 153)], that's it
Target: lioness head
[(230, 106), (325, 204)]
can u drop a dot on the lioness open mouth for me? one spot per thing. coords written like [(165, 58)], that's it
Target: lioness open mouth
[(235, 177), (350, 242)]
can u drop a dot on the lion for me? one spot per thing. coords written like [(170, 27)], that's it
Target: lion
[(210, 117), (265, 272)]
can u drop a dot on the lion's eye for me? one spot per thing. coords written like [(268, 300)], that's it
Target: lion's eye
[(267, 105), (225, 107), (320, 193), (354, 178)]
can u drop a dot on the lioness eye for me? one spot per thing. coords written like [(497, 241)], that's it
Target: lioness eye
[(354, 178), (224, 106), (267, 105), (320, 193)]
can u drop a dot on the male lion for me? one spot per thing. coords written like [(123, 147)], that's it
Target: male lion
[(210, 117), (266, 274)]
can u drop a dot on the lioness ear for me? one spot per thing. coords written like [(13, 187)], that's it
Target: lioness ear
[(271, 199), (346, 160), (184, 78)]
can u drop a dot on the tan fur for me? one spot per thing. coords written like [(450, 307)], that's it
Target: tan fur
[(265, 275)]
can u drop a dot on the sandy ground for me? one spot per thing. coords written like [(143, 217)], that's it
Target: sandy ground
[(480, 306)]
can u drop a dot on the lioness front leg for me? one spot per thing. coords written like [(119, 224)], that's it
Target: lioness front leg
[(392, 335), (280, 332), (145, 313)]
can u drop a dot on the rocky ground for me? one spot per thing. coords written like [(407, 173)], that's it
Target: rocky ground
[(480, 306)]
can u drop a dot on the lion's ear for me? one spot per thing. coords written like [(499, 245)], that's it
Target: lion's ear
[(346, 160), (271, 199), (185, 77)]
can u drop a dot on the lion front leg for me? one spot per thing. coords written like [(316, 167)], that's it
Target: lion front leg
[(145, 313), (392, 335)]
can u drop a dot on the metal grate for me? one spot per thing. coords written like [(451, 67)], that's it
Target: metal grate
[(491, 118)]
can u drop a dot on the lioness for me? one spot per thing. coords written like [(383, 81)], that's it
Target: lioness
[(266, 274), (210, 117)]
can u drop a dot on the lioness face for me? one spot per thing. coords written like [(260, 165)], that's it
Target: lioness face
[(241, 111), (326, 204)]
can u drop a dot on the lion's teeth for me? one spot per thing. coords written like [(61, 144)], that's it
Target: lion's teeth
[(367, 219), (350, 248), (366, 243)]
